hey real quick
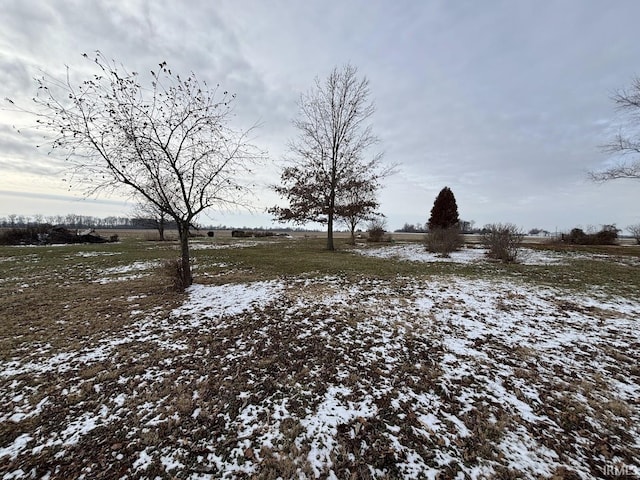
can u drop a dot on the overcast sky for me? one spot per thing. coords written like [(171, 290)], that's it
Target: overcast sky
[(506, 102)]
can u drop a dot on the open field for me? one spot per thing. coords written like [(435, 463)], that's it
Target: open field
[(286, 361), (150, 234)]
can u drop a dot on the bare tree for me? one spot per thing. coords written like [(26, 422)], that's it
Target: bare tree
[(328, 169), (626, 142), (634, 230), (153, 215), (168, 143)]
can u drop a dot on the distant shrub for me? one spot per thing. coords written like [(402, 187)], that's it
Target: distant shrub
[(503, 241), (376, 234), (210, 234), (635, 232), (575, 236), (377, 229), (241, 234), (606, 236), (443, 241)]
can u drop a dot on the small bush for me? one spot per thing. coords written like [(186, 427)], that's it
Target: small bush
[(635, 232), (575, 236), (377, 229), (173, 270), (241, 234), (376, 234), (443, 241), (503, 241)]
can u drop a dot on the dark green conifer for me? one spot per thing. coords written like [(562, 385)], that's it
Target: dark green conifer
[(444, 213)]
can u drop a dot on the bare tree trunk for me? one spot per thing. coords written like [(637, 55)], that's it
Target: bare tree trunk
[(353, 223), (332, 209), (330, 245), (187, 278), (161, 228)]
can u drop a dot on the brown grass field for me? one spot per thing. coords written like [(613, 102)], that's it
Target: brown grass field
[(287, 361)]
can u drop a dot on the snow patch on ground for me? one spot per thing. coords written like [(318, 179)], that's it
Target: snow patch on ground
[(125, 272), (415, 252), (322, 425), (96, 254), (215, 301), (132, 267), (223, 246)]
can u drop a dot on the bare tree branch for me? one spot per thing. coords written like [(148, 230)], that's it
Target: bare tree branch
[(624, 143), (621, 170)]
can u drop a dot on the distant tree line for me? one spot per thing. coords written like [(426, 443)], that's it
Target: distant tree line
[(465, 226), (73, 221), (79, 221)]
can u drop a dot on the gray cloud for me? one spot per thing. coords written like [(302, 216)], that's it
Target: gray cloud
[(20, 153), (506, 102)]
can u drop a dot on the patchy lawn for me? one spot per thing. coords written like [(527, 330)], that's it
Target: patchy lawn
[(318, 374)]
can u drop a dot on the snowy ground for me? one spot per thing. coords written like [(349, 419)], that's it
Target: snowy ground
[(326, 377), (416, 252)]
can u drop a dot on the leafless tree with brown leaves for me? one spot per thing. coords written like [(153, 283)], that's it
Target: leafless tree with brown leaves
[(168, 143), (329, 177), (625, 142)]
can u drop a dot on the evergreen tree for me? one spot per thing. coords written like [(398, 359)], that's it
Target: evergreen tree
[(444, 213)]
